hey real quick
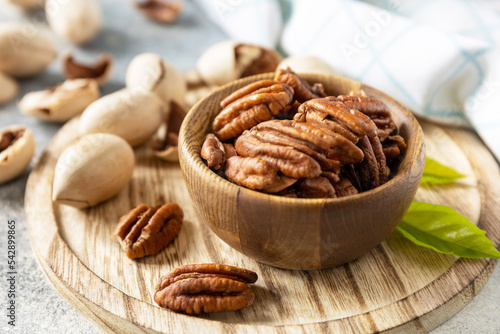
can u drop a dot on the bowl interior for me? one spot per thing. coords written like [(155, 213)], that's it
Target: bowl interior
[(323, 232), (197, 125)]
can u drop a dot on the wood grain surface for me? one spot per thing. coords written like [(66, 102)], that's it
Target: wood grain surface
[(397, 287)]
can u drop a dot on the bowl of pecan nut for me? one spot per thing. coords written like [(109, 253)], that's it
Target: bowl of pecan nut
[(304, 171)]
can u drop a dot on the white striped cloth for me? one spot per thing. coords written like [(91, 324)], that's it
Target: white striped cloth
[(440, 58)]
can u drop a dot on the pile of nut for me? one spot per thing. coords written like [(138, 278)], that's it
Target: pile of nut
[(286, 137)]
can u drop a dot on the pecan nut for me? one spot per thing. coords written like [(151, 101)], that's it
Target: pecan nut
[(318, 187), (333, 110), (250, 106), (286, 159), (393, 146), (254, 60), (303, 91), (344, 188), (373, 170), (17, 146), (146, 231), (213, 152), (373, 108), (333, 145), (206, 288), (256, 173), (160, 11)]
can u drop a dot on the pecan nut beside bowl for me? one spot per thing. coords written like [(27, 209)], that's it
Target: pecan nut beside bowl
[(206, 288), (147, 231)]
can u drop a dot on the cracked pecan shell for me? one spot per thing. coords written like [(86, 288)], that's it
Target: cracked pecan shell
[(251, 105), (303, 91), (286, 159), (146, 231), (206, 288)]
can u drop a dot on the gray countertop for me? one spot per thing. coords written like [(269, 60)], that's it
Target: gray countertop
[(40, 309)]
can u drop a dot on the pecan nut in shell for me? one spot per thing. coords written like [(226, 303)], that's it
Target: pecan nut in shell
[(206, 288), (147, 231)]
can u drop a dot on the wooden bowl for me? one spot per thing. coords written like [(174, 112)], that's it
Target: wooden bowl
[(295, 233)]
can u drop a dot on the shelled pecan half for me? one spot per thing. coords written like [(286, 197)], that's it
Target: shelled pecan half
[(206, 288), (373, 108), (251, 105), (318, 187), (256, 173), (373, 170), (330, 109), (303, 91), (321, 140), (146, 231), (213, 152), (392, 147), (344, 188), (286, 159)]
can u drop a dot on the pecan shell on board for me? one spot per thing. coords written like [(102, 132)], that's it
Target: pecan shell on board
[(146, 231), (251, 105), (206, 288)]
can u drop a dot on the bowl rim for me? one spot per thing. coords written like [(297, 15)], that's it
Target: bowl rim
[(197, 164)]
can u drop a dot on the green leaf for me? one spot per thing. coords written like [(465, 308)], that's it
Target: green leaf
[(446, 231), (436, 173)]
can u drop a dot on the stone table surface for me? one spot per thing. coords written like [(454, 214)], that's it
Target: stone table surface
[(125, 33)]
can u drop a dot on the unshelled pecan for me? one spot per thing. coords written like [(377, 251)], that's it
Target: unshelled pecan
[(330, 109), (251, 105), (256, 173), (146, 231), (318, 187), (286, 159), (206, 288), (302, 90)]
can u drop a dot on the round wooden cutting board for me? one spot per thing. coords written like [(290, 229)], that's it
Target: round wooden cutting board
[(397, 287)]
